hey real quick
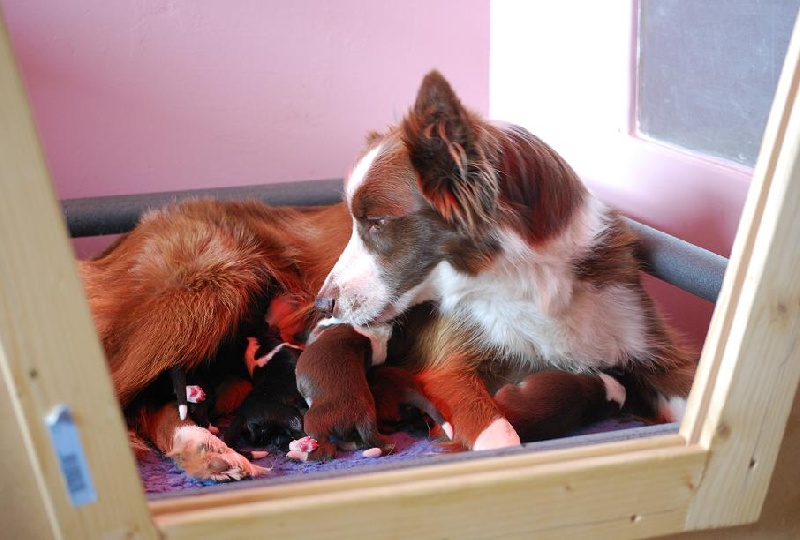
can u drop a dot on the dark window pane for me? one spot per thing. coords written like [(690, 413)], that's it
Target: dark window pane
[(708, 71)]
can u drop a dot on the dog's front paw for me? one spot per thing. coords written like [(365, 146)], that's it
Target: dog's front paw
[(231, 465), (205, 457), (499, 434)]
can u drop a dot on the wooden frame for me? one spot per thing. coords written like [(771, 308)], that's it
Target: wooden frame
[(714, 473)]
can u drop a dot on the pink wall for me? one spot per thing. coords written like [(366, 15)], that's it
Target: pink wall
[(156, 95)]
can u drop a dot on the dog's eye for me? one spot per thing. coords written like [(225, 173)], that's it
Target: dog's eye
[(376, 225)]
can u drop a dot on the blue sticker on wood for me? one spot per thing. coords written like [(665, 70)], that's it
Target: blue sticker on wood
[(67, 445)]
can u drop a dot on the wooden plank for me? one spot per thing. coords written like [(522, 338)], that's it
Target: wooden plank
[(50, 352), (603, 495), (24, 515), (423, 472), (780, 517), (750, 365)]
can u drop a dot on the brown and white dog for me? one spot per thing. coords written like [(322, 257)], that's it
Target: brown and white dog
[(514, 266)]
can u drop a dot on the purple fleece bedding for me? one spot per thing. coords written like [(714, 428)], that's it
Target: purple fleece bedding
[(162, 479)]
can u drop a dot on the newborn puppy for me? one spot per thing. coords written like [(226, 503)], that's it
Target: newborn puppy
[(272, 412), (579, 399), (332, 377)]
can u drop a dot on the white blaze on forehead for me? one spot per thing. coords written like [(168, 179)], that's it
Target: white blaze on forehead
[(359, 172), (355, 262)]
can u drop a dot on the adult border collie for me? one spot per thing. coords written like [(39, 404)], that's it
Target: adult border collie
[(494, 262), (519, 268)]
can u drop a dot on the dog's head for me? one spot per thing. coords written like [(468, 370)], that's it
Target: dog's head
[(422, 196)]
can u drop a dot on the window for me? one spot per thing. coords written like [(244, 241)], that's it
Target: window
[(707, 72)]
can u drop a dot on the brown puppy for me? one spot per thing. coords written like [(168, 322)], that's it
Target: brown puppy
[(564, 403), (332, 377)]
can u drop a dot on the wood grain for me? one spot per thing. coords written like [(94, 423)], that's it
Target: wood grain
[(559, 500), (750, 365), (424, 472)]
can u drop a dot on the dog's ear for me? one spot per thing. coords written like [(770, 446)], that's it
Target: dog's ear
[(445, 148)]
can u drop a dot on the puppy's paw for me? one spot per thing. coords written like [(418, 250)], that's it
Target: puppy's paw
[(231, 465), (450, 447), (297, 455), (378, 336), (499, 434), (301, 448), (310, 449), (447, 428), (304, 444), (195, 393), (205, 457)]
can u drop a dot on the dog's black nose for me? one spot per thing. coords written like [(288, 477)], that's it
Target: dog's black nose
[(325, 305)]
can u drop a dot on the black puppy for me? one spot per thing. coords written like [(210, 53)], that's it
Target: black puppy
[(272, 413)]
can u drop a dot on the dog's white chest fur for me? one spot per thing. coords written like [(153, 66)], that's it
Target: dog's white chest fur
[(530, 306)]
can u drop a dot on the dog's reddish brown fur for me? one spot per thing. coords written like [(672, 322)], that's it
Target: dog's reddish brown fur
[(395, 391), (174, 290)]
